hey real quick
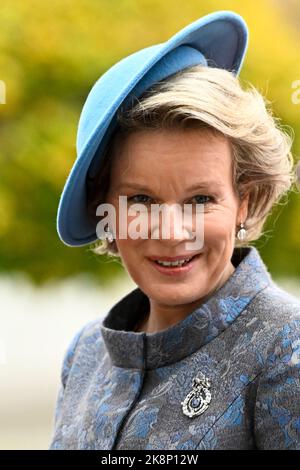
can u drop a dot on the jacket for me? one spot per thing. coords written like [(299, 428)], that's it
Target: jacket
[(233, 364)]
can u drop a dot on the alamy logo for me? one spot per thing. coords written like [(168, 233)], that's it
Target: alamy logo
[(139, 221), (296, 93), (2, 92)]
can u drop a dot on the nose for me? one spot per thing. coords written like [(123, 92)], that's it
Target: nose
[(177, 224)]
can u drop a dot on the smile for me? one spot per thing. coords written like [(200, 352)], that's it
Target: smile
[(178, 267), (173, 263)]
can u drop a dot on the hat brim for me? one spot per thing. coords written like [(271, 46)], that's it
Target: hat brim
[(221, 37)]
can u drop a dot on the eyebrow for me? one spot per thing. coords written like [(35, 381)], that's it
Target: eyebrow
[(199, 185)]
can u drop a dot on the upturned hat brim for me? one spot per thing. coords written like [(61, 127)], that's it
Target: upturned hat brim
[(219, 39)]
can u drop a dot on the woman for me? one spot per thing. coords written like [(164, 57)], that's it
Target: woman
[(205, 352)]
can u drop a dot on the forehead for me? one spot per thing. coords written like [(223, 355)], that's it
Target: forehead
[(173, 153)]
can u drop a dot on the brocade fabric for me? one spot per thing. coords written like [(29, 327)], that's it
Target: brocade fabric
[(122, 389)]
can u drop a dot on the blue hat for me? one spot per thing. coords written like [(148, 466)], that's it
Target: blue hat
[(219, 39)]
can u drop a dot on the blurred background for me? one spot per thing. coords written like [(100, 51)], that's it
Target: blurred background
[(51, 54)]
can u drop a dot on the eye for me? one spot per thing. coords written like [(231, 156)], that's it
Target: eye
[(142, 196), (210, 199)]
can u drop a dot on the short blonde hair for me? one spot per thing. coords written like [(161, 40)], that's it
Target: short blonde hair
[(212, 98)]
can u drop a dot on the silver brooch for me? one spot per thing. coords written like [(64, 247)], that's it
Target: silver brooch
[(198, 399)]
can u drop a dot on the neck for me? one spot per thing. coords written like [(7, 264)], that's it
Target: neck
[(163, 316)]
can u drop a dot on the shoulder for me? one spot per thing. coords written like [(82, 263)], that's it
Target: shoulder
[(85, 340), (271, 324), (276, 307), (278, 393)]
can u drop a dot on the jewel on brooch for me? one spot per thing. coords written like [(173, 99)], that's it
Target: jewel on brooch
[(198, 399)]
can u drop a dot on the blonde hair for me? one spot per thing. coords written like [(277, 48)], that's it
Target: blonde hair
[(212, 98)]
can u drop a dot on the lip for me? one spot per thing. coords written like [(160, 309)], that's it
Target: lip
[(175, 271), (172, 258)]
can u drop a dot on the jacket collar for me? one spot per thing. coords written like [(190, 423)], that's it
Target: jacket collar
[(129, 349)]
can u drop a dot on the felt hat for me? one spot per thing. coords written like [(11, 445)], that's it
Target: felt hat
[(219, 39)]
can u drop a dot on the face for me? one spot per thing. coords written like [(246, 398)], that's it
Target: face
[(160, 166)]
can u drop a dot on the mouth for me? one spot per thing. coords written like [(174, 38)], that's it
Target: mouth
[(182, 265)]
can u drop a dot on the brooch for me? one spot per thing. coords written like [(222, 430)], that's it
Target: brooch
[(198, 399)]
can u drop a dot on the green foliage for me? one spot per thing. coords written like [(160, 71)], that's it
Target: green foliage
[(51, 55)]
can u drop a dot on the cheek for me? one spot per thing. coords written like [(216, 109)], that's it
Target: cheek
[(127, 224), (132, 259), (218, 228), (130, 252)]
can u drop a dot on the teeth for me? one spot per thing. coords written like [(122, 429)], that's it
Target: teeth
[(173, 263)]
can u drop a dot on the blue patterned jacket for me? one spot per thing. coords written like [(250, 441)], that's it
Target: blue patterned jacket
[(126, 390)]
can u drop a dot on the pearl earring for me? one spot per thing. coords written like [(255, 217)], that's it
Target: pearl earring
[(242, 232), (109, 235)]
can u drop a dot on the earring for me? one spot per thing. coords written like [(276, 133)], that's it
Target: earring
[(109, 235), (242, 232)]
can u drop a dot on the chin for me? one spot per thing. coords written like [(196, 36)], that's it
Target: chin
[(169, 295)]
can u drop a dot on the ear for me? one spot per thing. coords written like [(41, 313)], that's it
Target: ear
[(243, 209)]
